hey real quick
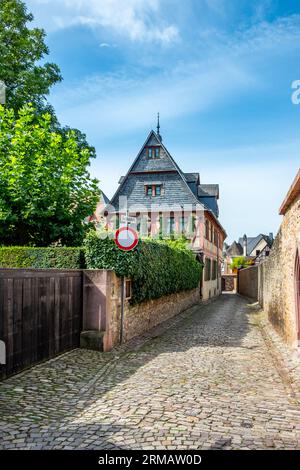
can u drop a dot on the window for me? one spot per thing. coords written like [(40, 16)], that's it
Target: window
[(182, 224), (172, 225), (117, 221), (153, 189), (257, 252), (127, 288), (157, 190), (214, 270), (153, 152), (207, 230), (207, 269), (215, 237), (267, 253), (160, 226)]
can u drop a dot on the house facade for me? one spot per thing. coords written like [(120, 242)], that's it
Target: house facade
[(160, 201), (279, 275)]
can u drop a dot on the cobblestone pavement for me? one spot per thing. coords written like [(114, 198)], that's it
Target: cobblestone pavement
[(211, 378)]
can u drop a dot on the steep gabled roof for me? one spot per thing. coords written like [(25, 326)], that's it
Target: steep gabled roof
[(190, 182), (252, 242), (104, 198), (235, 249), (172, 166)]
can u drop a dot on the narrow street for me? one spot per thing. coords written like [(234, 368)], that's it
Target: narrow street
[(207, 379)]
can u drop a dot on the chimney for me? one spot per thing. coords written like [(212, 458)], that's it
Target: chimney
[(245, 245), (271, 236)]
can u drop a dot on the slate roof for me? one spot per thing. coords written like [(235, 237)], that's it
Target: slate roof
[(211, 189), (178, 187), (104, 198), (192, 177), (235, 249), (252, 242)]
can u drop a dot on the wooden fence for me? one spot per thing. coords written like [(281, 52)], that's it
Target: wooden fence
[(40, 315)]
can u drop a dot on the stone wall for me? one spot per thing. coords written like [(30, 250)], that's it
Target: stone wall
[(108, 316), (276, 276), (142, 317), (248, 282)]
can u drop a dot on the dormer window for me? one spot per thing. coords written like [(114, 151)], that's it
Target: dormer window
[(153, 190), (153, 152)]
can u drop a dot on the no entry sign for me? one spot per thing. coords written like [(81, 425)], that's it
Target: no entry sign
[(126, 238)]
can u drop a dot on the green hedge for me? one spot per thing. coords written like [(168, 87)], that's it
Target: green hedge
[(28, 257), (157, 268)]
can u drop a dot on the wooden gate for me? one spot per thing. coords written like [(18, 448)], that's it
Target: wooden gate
[(40, 314)]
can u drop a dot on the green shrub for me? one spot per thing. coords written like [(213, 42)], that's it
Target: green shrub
[(240, 262), (156, 267), (31, 257)]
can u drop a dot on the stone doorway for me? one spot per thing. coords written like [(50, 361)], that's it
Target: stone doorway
[(297, 294)]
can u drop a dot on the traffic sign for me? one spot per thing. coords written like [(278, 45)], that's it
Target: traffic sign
[(125, 219), (126, 238)]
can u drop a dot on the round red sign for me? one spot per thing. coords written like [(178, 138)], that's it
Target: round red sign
[(126, 238)]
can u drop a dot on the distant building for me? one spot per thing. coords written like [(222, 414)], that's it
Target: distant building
[(98, 217), (163, 201), (255, 249)]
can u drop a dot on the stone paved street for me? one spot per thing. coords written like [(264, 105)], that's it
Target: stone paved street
[(209, 379)]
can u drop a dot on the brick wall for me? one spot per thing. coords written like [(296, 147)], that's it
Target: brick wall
[(276, 276)]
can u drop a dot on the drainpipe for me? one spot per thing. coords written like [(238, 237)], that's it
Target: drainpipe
[(122, 309)]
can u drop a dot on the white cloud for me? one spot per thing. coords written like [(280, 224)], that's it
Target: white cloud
[(110, 102), (139, 20), (114, 102)]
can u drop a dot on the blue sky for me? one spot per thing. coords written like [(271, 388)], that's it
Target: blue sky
[(218, 71)]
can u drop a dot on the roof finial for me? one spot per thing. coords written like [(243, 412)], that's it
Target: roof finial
[(158, 127)]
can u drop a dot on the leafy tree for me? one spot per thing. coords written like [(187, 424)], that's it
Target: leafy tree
[(28, 81), (240, 262), (45, 189), (21, 51)]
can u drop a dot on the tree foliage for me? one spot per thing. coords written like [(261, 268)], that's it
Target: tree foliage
[(22, 49), (58, 257), (27, 78), (240, 262), (45, 189)]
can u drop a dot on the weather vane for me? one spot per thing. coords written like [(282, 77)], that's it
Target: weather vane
[(158, 128)]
